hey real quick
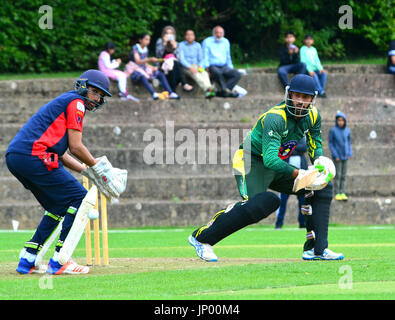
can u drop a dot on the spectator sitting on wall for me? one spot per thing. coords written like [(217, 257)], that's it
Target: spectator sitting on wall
[(191, 58), (391, 58), (168, 35), (289, 59), (108, 67), (309, 56), (218, 62), (142, 72), (341, 149), (168, 59), (167, 44)]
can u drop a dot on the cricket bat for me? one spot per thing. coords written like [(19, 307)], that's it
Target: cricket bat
[(304, 178)]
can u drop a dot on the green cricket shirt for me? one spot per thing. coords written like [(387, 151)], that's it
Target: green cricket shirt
[(276, 134)]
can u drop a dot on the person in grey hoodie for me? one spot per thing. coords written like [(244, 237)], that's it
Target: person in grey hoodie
[(341, 149)]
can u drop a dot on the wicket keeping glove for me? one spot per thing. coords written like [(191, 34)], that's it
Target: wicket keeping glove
[(327, 172)]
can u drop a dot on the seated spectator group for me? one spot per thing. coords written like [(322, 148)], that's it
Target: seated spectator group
[(204, 63), (305, 60)]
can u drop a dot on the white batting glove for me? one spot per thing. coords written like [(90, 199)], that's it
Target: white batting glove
[(112, 179), (89, 173)]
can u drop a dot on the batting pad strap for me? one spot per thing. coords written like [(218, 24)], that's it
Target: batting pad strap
[(306, 209), (310, 235), (309, 195), (33, 245), (53, 216), (71, 210), (59, 244)]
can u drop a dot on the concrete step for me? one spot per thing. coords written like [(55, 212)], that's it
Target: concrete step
[(142, 161), (204, 187), (247, 109), (136, 213), (231, 133), (338, 84), (337, 68)]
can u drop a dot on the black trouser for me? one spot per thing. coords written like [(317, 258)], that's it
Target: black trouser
[(175, 76), (253, 180), (319, 220), (226, 77), (284, 70)]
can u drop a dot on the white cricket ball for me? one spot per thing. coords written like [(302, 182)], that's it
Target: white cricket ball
[(93, 214), (117, 130)]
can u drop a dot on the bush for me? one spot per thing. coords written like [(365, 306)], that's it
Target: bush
[(80, 30), (254, 28)]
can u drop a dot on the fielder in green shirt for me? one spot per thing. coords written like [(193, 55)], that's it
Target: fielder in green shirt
[(258, 166)]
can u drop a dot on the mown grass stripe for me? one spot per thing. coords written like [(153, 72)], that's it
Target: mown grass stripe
[(274, 246), (327, 288)]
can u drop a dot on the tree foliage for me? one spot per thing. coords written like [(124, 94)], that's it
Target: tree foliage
[(255, 28)]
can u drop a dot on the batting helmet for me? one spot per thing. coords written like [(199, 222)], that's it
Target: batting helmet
[(300, 83), (96, 79)]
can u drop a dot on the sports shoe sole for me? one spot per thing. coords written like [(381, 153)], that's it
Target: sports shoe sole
[(311, 259), (321, 258), (332, 259)]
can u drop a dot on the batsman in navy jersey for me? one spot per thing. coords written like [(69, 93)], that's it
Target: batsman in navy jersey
[(38, 154)]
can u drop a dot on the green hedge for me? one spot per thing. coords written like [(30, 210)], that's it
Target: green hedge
[(80, 30), (255, 28)]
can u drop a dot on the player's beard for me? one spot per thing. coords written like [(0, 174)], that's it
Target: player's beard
[(92, 105), (300, 109)]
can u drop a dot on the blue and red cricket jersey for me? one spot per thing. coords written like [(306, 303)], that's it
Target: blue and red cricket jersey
[(32, 156), (46, 131)]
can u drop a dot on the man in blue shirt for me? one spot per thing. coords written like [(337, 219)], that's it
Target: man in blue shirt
[(218, 62), (191, 58)]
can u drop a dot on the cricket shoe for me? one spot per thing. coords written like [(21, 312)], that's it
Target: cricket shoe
[(26, 267), (70, 267), (326, 255), (203, 250), (210, 92), (343, 197), (309, 255)]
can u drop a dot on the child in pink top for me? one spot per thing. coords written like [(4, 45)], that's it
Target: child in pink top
[(108, 67)]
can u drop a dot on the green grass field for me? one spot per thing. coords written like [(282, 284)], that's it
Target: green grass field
[(255, 263)]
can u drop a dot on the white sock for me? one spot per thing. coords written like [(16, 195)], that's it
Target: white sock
[(122, 80), (31, 257), (155, 95), (55, 256)]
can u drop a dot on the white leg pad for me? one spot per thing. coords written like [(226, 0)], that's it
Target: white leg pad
[(78, 227)]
